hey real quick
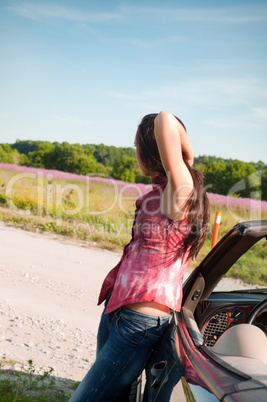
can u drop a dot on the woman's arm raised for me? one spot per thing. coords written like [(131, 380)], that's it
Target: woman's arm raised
[(172, 142)]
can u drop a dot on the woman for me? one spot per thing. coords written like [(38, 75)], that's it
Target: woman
[(169, 229)]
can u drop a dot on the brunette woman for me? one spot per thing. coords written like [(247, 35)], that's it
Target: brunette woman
[(139, 293)]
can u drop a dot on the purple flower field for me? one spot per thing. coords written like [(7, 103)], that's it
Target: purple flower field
[(243, 204), (130, 189), (138, 189)]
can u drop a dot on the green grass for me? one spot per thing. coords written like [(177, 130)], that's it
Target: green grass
[(251, 267), (24, 386)]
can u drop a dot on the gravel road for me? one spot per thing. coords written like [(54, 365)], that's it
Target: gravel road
[(49, 289)]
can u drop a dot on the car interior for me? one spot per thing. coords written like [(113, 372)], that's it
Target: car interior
[(229, 327)]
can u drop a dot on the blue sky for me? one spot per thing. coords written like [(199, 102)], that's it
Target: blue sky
[(87, 71)]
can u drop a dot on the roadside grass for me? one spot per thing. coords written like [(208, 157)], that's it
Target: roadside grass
[(252, 266), (101, 213), (25, 385)]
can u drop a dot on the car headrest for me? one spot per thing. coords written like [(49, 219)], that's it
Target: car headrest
[(242, 340)]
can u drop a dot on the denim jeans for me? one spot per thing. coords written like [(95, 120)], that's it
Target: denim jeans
[(166, 351), (126, 338)]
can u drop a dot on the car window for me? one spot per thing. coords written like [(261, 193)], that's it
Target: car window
[(249, 271)]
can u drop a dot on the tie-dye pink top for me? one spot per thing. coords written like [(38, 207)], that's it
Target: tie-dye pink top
[(151, 267)]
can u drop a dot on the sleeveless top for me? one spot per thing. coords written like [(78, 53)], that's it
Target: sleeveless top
[(151, 268)]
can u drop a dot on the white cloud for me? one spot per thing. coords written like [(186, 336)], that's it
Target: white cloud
[(259, 114), (221, 91), (227, 103), (233, 123), (71, 120), (122, 96), (214, 92), (218, 91), (241, 14), (43, 11)]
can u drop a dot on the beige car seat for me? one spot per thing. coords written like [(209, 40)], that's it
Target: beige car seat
[(242, 340)]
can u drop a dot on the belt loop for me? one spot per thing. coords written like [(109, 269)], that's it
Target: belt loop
[(158, 321)]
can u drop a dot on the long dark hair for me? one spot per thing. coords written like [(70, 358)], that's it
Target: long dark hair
[(196, 207)]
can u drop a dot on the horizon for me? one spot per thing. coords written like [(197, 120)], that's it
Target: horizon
[(87, 72), (129, 147)]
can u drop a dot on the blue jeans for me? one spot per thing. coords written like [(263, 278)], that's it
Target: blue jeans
[(126, 338)]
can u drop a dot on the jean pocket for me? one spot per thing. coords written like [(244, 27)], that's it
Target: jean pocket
[(131, 331)]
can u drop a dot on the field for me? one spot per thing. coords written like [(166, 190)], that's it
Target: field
[(100, 211)]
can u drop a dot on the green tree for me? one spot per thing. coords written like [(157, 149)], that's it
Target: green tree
[(42, 156), (24, 160), (240, 175), (214, 180), (71, 158), (6, 154), (124, 168), (25, 146), (230, 177)]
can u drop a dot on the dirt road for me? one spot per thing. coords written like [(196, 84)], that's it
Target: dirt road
[(48, 297), (49, 287)]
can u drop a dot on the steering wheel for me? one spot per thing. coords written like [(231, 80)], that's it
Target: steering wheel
[(256, 311)]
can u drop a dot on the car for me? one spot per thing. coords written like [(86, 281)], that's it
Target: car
[(216, 346)]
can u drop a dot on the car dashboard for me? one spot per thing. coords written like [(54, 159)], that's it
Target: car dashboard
[(225, 309)]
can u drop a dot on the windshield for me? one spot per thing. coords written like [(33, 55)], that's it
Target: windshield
[(249, 272)]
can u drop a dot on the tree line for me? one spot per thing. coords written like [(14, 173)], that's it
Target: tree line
[(221, 176)]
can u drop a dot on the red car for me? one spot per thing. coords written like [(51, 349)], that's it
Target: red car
[(218, 342)]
